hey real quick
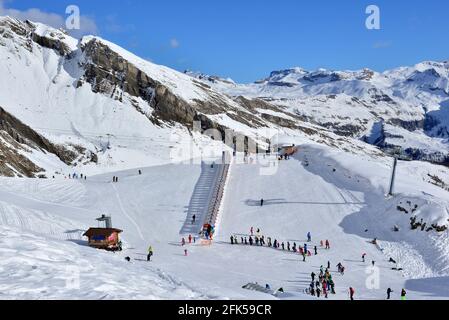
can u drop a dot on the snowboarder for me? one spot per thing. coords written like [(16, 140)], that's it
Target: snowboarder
[(150, 253), (351, 293), (309, 237), (403, 294), (389, 292)]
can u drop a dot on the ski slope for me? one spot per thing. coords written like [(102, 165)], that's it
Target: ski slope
[(42, 221)]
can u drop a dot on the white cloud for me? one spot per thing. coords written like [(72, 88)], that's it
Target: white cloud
[(87, 24), (174, 43)]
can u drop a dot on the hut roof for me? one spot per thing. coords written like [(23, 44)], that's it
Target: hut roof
[(101, 232)]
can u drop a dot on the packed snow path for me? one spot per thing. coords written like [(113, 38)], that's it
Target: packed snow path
[(201, 198)]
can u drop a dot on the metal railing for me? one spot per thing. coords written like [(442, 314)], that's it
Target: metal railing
[(218, 190)]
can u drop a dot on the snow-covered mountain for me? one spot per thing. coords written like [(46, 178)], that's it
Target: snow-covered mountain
[(103, 104), (112, 109), (403, 109)]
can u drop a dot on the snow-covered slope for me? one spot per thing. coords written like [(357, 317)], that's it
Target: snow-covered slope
[(333, 194)]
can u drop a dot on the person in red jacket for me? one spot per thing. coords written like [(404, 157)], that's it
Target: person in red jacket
[(351, 293), (190, 238), (328, 246)]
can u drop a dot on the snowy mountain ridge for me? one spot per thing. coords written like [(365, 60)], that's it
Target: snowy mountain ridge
[(109, 105), (361, 103)]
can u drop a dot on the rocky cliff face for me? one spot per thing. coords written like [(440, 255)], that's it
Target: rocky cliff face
[(17, 140)]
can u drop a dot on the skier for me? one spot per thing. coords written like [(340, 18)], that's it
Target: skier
[(283, 246), (363, 257), (246, 241), (250, 241), (150, 253), (140, 172), (339, 267), (389, 292), (312, 289), (403, 294), (304, 257), (288, 245), (305, 247), (185, 252), (316, 250), (351, 293), (309, 237), (183, 242), (193, 219), (313, 276), (252, 231), (318, 291), (261, 202), (373, 263), (190, 238), (328, 265), (328, 246)]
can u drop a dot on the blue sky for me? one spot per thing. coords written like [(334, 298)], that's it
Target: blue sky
[(245, 40)]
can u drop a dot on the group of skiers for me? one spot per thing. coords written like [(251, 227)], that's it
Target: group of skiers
[(324, 284), (114, 179), (191, 239), (257, 239), (76, 176)]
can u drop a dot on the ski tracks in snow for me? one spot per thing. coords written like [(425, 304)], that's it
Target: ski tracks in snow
[(122, 209)]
